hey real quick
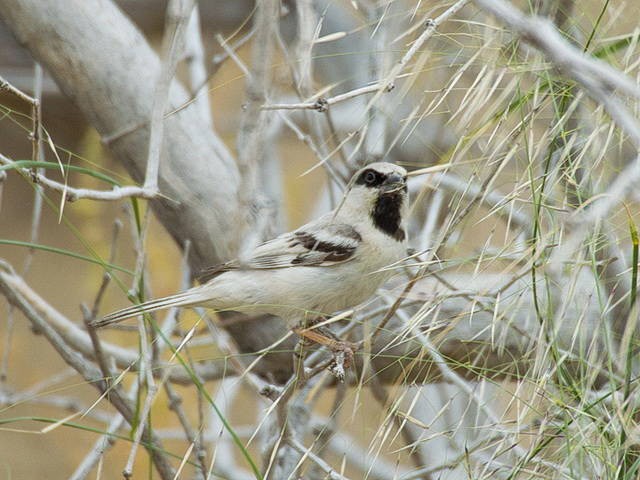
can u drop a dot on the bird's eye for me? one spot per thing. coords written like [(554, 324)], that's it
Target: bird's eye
[(370, 178)]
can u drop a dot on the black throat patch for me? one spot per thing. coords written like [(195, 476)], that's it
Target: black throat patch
[(386, 215)]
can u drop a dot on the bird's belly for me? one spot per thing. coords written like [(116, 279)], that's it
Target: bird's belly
[(323, 291), (298, 292)]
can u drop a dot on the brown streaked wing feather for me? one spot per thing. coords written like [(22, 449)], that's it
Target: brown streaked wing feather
[(311, 245), (208, 273)]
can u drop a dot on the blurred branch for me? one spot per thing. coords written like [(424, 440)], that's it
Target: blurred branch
[(32, 304), (252, 140), (178, 13), (89, 372), (229, 50), (322, 104), (542, 34), (196, 62), (105, 66), (98, 450), (306, 452)]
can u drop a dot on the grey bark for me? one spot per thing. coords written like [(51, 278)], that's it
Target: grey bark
[(102, 62)]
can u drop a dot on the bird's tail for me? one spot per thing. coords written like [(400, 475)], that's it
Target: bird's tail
[(184, 299)]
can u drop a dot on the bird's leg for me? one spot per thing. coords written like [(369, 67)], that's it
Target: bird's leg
[(322, 335), (298, 356)]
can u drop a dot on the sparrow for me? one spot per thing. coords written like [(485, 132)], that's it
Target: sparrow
[(330, 264)]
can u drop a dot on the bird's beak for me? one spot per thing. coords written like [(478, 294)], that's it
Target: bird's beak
[(394, 183)]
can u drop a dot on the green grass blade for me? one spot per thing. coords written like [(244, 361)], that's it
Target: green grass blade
[(67, 253), (86, 428), (595, 27), (196, 381), (51, 165)]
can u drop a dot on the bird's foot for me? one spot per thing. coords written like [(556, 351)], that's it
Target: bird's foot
[(342, 358), (342, 351)]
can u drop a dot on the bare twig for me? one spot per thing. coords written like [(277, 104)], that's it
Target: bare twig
[(178, 13), (141, 428), (37, 153), (78, 339), (218, 60), (322, 104), (36, 115), (94, 457), (306, 452), (73, 194), (106, 277), (430, 27), (230, 53)]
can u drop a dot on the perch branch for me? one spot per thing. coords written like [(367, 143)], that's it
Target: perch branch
[(72, 194)]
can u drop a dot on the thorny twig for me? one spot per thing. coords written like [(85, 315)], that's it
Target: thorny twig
[(37, 153), (73, 194), (322, 104)]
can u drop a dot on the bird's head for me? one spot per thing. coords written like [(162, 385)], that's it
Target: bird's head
[(379, 190)]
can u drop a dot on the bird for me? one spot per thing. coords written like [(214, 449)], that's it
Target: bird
[(332, 263)]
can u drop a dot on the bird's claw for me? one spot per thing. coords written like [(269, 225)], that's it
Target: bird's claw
[(342, 359)]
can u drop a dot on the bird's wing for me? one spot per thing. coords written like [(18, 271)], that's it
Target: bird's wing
[(320, 243)]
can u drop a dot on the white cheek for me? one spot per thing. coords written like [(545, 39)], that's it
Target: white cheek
[(361, 199)]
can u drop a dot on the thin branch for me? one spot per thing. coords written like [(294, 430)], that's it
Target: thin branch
[(430, 27), (178, 13), (230, 53), (90, 373), (36, 115), (73, 194), (324, 466), (219, 59), (322, 104), (79, 339), (98, 450), (37, 155), (141, 429)]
